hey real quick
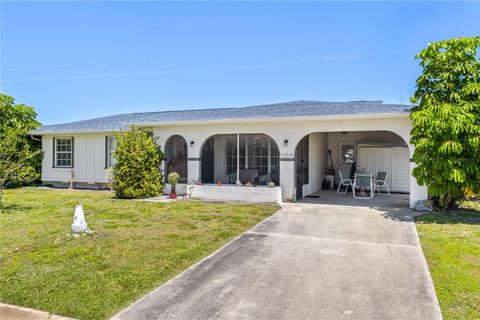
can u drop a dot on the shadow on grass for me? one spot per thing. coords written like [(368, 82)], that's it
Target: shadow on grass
[(12, 207), (459, 216)]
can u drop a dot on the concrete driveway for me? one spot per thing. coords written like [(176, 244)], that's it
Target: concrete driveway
[(306, 262)]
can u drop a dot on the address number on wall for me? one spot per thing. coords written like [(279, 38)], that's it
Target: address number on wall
[(286, 155)]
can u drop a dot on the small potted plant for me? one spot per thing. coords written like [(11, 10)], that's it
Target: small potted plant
[(173, 179)]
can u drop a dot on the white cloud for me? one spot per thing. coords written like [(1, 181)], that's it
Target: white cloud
[(271, 65), (25, 68)]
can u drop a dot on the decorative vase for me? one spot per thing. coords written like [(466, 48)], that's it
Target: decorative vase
[(173, 195)]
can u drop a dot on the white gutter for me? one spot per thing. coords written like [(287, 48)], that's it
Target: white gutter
[(242, 120), (33, 133), (278, 119)]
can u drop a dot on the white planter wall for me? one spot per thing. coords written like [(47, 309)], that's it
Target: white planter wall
[(179, 189), (237, 194)]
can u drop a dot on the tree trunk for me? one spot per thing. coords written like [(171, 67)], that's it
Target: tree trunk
[(1, 196), (446, 202)]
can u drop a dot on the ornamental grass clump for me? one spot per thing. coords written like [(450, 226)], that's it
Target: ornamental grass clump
[(136, 173)]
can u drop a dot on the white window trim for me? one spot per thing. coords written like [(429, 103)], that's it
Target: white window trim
[(109, 153), (55, 152)]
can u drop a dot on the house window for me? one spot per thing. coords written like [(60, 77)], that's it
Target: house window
[(261, 153), (63, 154), (231, 154), (111, 143), (257, 151)]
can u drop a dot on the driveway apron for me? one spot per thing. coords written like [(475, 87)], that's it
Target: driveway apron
[(307, 261)]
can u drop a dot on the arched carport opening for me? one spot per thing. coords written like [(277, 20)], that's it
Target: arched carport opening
[(320, 155), (245, 158), (176, 157)]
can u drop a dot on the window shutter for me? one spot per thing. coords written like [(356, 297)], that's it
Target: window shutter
[(73, 150), (53, 154), (106, 152)]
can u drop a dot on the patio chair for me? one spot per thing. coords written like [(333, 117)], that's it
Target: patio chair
[(344, 179), (381, 182), (363, 182)]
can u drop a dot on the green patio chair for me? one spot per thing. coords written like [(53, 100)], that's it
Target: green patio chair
[(344, 178), (381, 182)]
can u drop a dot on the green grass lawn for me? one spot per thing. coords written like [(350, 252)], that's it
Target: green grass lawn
[(451, 244), (135, 247)]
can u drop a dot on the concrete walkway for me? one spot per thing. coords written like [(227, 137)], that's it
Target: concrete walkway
[(306, 262), (11, 312)]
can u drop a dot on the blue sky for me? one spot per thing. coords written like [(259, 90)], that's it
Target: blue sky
[(79, 60)]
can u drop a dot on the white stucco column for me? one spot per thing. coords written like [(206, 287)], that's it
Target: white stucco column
[(417, 192), (194, 170), (194, 162), (287, 177), (161, 141), (163, 170), (286, 147)]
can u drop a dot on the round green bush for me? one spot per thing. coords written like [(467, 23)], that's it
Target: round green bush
[(136, 173), (173, 178)]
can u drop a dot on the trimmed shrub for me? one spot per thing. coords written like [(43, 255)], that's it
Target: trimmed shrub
[(173, 178), (136, 173)]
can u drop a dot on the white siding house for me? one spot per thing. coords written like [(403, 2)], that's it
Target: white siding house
[(88, 165), (288, 143)]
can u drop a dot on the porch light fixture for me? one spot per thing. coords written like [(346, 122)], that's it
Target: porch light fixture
[(285, 142), (192, 143)]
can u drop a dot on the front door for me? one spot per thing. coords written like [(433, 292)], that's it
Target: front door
[(208, 160), (298, 171), (301, 166)]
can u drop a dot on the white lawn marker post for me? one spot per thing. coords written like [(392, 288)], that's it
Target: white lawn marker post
[(79, 224)]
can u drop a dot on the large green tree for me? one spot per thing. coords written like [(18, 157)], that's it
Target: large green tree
[(446, 120), (20, 117), (20, 155), (136, 173)]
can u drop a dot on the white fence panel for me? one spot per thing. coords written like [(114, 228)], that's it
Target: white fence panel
[(395, 161)]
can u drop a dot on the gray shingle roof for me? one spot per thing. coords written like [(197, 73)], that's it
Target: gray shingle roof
[(268, 111)]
